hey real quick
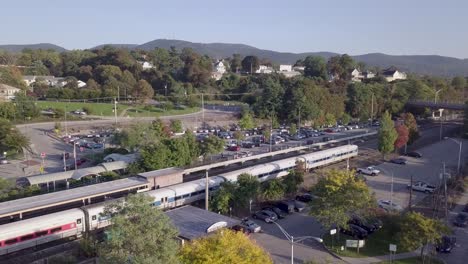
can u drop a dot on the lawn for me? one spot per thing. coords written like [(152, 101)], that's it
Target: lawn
[(376, 244), (106, 109), (415, 260)]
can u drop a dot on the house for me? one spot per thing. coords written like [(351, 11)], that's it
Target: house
[(285, 68), (391, 74), (7, 92), (219, 67), (216, 75), (81, 84), (146, 65), (356, 75), (299, 68), (368, 74), (290, 74), (264, 69), (50, 80)]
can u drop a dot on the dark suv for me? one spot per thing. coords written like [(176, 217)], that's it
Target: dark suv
[(286, 206)]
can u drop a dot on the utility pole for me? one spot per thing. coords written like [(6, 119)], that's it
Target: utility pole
[(118, 93), (74, 154), (445, 194), (207, 189), (64, 162), (203, 110), (66, 126), (440, 121), (115, 110)]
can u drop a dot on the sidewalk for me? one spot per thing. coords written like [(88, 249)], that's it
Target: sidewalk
[(378, 259)]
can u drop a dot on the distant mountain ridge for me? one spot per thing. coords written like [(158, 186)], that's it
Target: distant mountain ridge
[(417, 64)]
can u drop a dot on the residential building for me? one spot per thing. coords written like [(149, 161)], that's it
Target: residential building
[(298, 68), (50, 80), (368, 74), (146, 65), (356, 75), (7, 92), (391, 74), (290, 74), (264, 69), (219, 67), (216, 75), (285, 68)]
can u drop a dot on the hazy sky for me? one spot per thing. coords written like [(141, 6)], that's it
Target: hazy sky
[(353, 27)]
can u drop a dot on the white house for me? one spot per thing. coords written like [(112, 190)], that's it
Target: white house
[(216, 75), (298, 68), (356, 75), (391, 74), (264, 69), (285, 68), (219, 67), (7, 92), (290, 74), (50, 80), (146, 65), (368, 74)]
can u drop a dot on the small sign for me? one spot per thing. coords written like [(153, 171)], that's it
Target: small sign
[(333, 231), (392, 247), (43, 155), (355, 243)]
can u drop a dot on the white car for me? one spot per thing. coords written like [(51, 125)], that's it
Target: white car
[(251, 226), (389, 206), (422, 187), (371, 170)]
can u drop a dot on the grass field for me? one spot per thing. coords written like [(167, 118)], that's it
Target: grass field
[(106, 109), (415, 260)]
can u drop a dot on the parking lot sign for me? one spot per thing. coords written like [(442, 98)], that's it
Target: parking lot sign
[(43, 155)]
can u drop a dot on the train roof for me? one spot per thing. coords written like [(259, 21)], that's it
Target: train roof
[(35, 224), (63, 197), (192, 186)]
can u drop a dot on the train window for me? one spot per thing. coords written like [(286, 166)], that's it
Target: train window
[(41, 233), (185, 195), (78, 221), (178, 197), (27, 237), (94, 217), (165, 199), (162, 200), (11, 241), (55, 230)]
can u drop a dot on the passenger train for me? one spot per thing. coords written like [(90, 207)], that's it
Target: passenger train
[(74, 222)]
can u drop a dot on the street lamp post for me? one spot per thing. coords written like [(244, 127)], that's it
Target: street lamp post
[(293, 239), (460, 144)]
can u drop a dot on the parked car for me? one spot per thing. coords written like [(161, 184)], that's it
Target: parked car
[(446, 244), (306, 197), (80, 161), (247, 144), (461, 220), (96, 145), (400, 161), (354, 231), (234, 148), (389, 206), (422, 187), (414, 154), (299, 206), (242, 229), (466, 208), (279, 213), (250, 225), (367, 225), (371, 170), (265, 215), (286, 206)]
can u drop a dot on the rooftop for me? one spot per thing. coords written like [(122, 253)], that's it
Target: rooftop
[(193, 222), (160, 173)]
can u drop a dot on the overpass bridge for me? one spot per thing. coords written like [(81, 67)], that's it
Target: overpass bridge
[(458, 106)]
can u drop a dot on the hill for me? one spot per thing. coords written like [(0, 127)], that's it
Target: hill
[(417, 64), (119, 46), (19, 47)]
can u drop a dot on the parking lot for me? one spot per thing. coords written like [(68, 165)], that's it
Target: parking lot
[(297, 225)]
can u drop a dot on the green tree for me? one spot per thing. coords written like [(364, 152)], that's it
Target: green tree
[(345, 119), (226, 246), (7, 110), (292, 181), (315, 67), (149, 231), (387, 134), (248, 189), (418, 231), (236, 63), (142, 90), (272, 189), (247, 121), (340, 193), (459, 83), (176, 126), (11, 139), (211, 145), (330, 119), (250, 64), (292, 129), (223, 199)]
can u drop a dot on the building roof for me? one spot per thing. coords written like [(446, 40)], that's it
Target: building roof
[(67, 196), (193, 222), (8, 87), (161, 173)]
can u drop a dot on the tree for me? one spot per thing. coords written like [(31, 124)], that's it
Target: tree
[(247, 121), (11, 139), (315, 67), (248, 188), (211, 145), (418, 231), (330, 119), (410, 123), (345, 119), (223, 199), (292, 181), (226, 246), (236, 63), (459, 83), (387, 134), (292, 129), (272, 189), (139, 233), (340, 193), (403, 136), (143, 90), (176, 126), (250, 64)]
